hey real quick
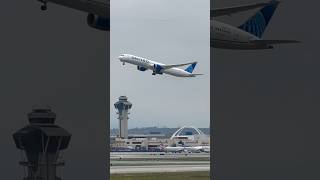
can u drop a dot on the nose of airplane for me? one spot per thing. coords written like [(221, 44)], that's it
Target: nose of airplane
[(120, 58)]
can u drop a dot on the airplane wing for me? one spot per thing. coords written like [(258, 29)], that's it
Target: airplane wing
[(274, 41), (101, 8), (175, 65), (232, 10)]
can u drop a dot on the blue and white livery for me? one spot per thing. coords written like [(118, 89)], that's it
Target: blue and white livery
[(144, 64), (248, 35)]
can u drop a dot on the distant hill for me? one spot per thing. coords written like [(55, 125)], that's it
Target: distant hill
[(154, 130)]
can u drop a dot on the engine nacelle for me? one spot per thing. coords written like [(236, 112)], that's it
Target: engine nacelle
[(141, 68), (98, 22), (157, 69)]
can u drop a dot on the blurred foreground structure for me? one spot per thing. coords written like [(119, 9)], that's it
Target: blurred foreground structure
[(41, 143)]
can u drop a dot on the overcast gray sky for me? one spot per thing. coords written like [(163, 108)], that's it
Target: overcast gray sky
[(169, 32), (266, 103)]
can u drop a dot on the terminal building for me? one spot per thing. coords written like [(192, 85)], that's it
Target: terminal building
[(123, 141), (184, 136)]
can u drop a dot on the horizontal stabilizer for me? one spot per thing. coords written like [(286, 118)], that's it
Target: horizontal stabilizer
[(275, 41), (194, 75)]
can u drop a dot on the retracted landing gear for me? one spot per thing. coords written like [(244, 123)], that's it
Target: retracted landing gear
[(44, 5)]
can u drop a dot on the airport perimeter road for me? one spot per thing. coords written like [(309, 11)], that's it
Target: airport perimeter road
[(156, 163), (146, 162), (136, 156), (158, 168)]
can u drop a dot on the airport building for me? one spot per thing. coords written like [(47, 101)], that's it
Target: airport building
[(185, 136), (123, 141), (41, 143), (123, 106), (189, 135)]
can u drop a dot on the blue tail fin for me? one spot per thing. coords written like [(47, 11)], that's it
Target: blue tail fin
[(191, 67), (257, 24)]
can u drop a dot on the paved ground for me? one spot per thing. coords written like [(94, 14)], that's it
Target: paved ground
[(122, 163), (151, 163), (201, 175), (157, 155), (158, 168)]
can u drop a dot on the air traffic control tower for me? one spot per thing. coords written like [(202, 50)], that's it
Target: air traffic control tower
[(123, 106), (42, 142)]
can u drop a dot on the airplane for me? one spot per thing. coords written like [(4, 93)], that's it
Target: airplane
[(189, 149), (177, 149), (144, 64), (200, 149), (197, 149), (98, 12), (247, 36)]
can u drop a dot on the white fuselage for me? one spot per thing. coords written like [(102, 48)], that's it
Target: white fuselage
[(193, 149), (226, 36), (174, 149), (149, 65), (198, 149)]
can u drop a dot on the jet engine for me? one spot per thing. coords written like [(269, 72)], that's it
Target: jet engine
[(98, 22), (157, 69), (141, 68)]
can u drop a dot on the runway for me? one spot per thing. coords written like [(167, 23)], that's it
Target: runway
[(158, 156), (151, 163), (146, 162), (158, 168)]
